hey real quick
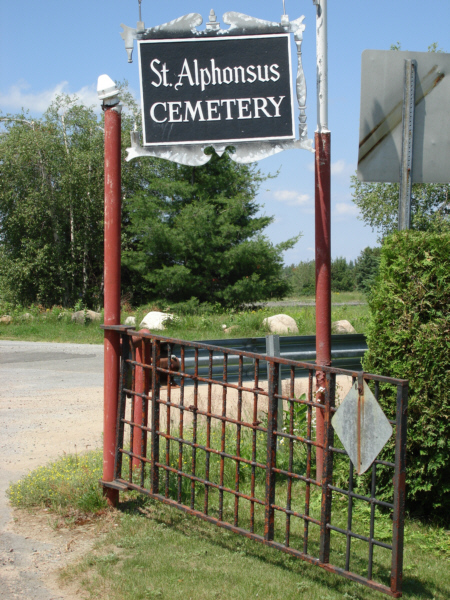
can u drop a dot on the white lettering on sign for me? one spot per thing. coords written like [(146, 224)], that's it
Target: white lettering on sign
[(244, 108), (185, 72), (261, 105), (276, 104), (215, 110), (228, 104), (194, 75), (213, 107), (162, 75), (174, 111), (193, 111), (216, 89), (153, 111)]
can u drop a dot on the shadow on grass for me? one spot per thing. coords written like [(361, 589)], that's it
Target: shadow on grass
[(234, 543)]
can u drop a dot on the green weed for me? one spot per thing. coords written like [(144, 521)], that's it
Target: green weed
[(71, 482)]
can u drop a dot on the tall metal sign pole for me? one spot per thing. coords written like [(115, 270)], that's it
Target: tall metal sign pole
[(322, 224), (409, 101), (108, 93)]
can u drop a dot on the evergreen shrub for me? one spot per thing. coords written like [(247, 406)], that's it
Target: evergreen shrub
[(409, 338)]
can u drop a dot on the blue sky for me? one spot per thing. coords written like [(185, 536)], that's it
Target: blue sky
[(49, 47)]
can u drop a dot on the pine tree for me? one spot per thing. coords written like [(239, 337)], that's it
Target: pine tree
[(194, 232)]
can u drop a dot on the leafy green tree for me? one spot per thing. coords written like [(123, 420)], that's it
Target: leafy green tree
[(408, 338), (51, 191), (378, 205), (194, 232), (366, 268), (302, 277), (342, 275)]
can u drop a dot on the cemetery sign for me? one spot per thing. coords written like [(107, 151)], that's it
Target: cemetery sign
[(216, 90), (218, 87)]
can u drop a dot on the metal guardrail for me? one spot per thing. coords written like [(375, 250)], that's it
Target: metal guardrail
[(347, 351)]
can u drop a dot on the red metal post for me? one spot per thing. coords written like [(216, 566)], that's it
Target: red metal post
[(323, 279), (141, 386), (111, 291)]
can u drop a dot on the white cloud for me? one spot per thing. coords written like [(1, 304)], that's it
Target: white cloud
[(338, 167), (344, 209), (343, 168), (21, 96), (292, 198)]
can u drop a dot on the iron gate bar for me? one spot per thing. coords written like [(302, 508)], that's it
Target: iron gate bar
[(208, 433), (162, 439), (399, 488), (328, 437)]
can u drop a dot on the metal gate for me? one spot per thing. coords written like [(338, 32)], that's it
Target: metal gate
[(217, 450)]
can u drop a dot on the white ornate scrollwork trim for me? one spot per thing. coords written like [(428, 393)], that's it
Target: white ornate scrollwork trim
[(240, 24), (194, 154)]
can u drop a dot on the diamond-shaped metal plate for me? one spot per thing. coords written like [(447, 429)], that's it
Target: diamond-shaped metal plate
[(362, 427)]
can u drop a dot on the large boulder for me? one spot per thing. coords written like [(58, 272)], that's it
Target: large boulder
[(82, 316), (154, 320), (231, 328), (281, 324), (7, 319), (342, 327), (131, 321)]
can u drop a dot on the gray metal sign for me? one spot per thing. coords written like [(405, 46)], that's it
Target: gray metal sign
[(382, 94), (362, 426), (218, 87)]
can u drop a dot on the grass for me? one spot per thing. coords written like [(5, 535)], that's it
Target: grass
[(68, 483), (55, 325), (336, 297), (155, 551)]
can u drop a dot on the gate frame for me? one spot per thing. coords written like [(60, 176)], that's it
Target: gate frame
[(327, 488)]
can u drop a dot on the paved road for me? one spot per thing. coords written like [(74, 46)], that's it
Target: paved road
[(50, 403), (30, 367), (300, 303)]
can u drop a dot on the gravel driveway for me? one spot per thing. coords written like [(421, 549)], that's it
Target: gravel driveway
[(51, 399)]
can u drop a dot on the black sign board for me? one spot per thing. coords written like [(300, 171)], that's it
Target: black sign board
[(216, 89)]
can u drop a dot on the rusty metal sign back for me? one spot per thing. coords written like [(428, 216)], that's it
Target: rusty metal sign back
[(380, 137), (361, 426)]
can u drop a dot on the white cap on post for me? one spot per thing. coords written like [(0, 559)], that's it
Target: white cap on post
[(107, 91)]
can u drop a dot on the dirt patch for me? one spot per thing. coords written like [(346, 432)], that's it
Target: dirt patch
[(55, 544), (34, 430)]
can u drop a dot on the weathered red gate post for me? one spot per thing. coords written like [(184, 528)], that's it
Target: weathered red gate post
[(322, 225), (108, 93), (141, 387)]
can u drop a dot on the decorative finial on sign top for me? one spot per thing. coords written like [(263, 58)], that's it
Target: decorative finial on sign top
[(213, 25), (140, 28), (284, 16)]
